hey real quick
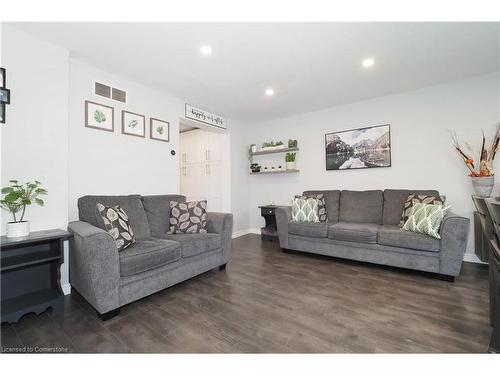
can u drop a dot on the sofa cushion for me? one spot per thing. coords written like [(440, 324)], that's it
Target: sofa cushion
[(131, 204), (394, 201), (361, 206), (392, 235), (323, 218), (147, 254), (414, 199), (332, 200), (354, 232), (309, 229), (157, 208), (196, 243)]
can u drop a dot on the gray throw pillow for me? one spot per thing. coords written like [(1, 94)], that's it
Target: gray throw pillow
[(188, 217), (117, 224)]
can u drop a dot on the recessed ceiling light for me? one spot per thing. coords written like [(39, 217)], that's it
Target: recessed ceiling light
[(269, 92), (368, 63), (206, 50)]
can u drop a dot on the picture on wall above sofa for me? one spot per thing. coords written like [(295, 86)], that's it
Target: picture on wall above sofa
[(359, 148)]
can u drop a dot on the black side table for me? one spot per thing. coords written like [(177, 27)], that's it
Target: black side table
[(270, 231), (30, 271)]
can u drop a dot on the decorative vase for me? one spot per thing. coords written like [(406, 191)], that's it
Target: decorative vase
[(483, 186), (290, 165), (19, 229), (253, 148)]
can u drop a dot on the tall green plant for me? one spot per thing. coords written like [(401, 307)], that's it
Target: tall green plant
[(18, 196)]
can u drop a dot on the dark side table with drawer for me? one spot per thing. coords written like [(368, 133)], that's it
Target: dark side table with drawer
[(270, 231), (30, 271)]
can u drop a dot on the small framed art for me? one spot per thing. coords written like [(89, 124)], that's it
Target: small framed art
[(159, 130), (133, 124), (99, 116)]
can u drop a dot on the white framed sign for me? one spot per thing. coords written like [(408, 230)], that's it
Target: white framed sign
[(206, 117)]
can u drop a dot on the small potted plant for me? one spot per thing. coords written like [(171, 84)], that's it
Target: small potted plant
[(481, 173), (290, 160), (16, 198)]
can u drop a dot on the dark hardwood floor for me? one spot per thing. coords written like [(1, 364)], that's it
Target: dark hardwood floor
[(267, 302)]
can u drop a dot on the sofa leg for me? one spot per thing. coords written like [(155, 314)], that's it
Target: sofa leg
[(288, 251), (222, 267), (110, 314), (448, 278)]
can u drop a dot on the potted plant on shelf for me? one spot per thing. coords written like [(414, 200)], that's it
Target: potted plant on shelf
[(272, 145), (481, 173), (16, 198), (290, 160)]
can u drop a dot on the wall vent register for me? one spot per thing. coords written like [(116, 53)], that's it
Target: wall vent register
[(110, 92)]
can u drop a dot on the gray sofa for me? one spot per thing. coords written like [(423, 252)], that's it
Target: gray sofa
[(363, 226), (109, 279)]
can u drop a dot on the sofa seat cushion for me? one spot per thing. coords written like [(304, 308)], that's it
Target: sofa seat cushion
[(147, 254), (309, 229), (196, 243), (354, 232), (392, 235)]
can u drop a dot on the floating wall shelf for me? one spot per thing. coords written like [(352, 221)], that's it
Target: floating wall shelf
[(278, 171), (275, 151)]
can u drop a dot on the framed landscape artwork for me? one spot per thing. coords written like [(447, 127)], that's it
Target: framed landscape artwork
[(99, 116), (359, 148), (133, 124), (159, 130)]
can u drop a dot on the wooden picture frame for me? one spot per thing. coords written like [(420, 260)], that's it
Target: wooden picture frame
[(154, 132), (95, 122), (130, 118), (368, 147)]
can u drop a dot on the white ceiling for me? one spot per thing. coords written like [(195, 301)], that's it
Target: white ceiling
[(310, 65)]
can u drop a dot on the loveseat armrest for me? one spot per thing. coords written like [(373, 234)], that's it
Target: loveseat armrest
[(454, 235), (283, 215), (94, 266), (221, 223)]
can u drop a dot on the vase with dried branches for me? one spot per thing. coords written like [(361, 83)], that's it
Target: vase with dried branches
[(481, 170)]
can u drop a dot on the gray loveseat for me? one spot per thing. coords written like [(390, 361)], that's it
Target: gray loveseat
[(363, 225), (109, 279)]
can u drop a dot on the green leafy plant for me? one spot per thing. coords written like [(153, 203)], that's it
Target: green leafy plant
[(160, 130), (292, 143), (290, 157), (18, 196), (99, 116), (279, 143)]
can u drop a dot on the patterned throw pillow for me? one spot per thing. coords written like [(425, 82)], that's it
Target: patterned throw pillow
[(305, 210), (412, 199), (426, 218), (117, 224), (188, 217), (323, 218)]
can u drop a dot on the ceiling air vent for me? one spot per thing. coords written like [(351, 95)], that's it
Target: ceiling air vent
[(110, 92)]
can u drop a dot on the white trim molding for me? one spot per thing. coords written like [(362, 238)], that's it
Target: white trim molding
[(472, 258), (243, 232), (66, 288)]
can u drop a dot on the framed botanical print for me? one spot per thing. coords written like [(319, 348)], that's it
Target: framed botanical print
[(4, 95), (159, 130), (99, 116), (133, 124), (2, 113)]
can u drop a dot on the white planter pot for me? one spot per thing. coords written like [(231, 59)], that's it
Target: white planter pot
[(483, 186), (21, 229), (290, 165)]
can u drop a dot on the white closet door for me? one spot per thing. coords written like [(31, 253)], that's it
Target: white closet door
[(215, 143)]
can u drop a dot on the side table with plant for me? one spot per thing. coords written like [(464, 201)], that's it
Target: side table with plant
[(15, 199), (481, 173)]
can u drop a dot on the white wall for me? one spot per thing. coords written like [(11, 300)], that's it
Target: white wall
[(102, 162), (35, 136), (422, 156)]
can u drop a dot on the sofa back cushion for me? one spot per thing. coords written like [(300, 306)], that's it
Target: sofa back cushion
[(131, 204), (332, 199), (157, 209), (394, 201), (361, 206)]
